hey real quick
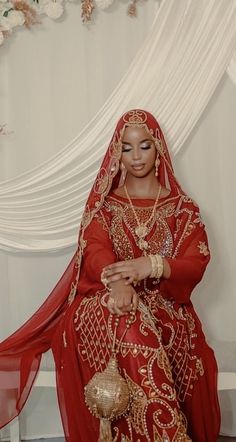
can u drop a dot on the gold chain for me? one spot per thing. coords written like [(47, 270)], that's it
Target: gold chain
[(141, 230)]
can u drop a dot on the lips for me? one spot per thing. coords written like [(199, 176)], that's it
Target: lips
[(138, 166)]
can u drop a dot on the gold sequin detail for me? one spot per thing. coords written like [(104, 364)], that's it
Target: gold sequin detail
[(203, 248)]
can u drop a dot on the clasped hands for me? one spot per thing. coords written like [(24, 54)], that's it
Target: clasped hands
[(119, 277)]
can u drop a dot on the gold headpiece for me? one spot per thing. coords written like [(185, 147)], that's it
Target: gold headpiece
[(135, 117)]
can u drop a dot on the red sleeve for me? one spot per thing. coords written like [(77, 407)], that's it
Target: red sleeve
[(188, 267), (98, 252)]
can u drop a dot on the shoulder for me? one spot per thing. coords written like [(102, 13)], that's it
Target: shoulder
[(186, 201), (188, 211)]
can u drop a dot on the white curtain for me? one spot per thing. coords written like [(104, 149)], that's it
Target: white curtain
[(231, 70), (173, 74), (48, 96)]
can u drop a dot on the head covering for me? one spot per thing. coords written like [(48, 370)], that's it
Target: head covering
[(108, 177)]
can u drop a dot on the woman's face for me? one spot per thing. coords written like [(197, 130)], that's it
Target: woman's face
[(138, 151)]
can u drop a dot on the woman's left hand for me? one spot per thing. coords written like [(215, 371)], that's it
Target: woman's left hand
[(133, 270)]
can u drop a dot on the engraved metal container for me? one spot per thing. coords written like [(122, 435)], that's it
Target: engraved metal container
[(107, 394)]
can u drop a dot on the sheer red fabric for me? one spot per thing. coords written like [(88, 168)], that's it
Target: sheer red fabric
[(76, 324)]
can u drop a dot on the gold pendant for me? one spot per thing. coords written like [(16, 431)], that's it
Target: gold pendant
[(141, 231), (142, 244)]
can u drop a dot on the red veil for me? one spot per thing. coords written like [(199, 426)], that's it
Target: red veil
[(20, 354)]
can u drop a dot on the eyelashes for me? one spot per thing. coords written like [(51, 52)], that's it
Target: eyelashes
[(128, 149)]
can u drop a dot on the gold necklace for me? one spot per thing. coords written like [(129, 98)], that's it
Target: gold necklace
[(142, 230)]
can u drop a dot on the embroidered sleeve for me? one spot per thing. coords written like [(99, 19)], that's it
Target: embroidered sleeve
[(98, 252), (190, 258)]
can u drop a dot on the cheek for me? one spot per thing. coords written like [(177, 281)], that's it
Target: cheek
[(151, 158), (125, 160)]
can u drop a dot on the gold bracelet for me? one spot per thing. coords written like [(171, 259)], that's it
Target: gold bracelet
[(157, 266), (154, 266)]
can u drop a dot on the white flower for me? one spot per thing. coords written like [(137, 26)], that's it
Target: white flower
[(1, 38), (5, 24), (16, 18), (103, 4), (5, 7), (53, 10)]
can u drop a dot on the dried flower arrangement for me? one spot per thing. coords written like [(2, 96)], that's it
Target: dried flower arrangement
[(14, 13)]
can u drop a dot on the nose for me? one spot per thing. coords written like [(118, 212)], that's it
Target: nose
[(136, 153)]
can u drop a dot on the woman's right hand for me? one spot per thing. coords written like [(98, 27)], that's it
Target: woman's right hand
[(122, 299)]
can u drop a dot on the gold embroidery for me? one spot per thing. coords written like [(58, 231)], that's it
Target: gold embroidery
[(115, 151), (123, 221), (138, 406), (135, 117), (178, 226), (121, 243), (199, 367), (174, 420), (74, 284), (198, 219), (102, 181), (188, 228), (94, 343), (193, 219), (102, 220), (203, 248), (185, 365), (165, 391)]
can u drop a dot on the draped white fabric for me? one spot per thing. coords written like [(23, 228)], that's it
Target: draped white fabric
[(174, 75), (231, 70), (205, 164)]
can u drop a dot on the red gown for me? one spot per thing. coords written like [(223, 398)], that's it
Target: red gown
[(170, 369)]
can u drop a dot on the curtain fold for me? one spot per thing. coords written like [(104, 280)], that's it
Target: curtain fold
[(173, 75), (231, 70)]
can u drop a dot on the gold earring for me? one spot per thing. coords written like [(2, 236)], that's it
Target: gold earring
[(157, 162), (123, 174)]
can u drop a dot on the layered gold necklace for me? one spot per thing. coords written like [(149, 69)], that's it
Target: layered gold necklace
[(142, 230)]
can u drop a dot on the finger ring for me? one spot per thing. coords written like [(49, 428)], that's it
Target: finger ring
[(135, 281), (104, 280)]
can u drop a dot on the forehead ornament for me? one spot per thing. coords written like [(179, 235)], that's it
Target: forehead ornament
[(135, 117)]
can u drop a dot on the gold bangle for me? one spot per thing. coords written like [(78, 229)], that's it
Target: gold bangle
[(153, 264), (157, 266), (160, 266)]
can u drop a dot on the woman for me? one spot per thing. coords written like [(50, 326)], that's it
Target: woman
[(142, 250)]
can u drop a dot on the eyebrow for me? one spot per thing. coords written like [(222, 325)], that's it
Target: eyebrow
[(143, 141)]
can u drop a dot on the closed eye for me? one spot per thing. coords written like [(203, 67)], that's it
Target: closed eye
[(146, 147)]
